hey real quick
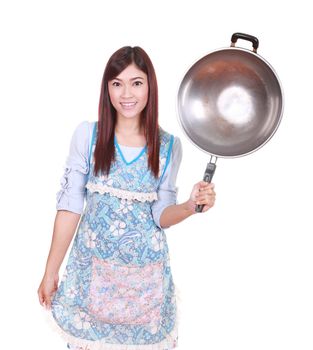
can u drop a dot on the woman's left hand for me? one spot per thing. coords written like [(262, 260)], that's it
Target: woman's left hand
[(202, 194)]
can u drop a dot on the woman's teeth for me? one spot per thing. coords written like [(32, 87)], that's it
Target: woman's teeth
[(128, 104)]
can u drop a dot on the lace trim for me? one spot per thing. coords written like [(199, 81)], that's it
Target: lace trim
[(170, 341), (123, 194)]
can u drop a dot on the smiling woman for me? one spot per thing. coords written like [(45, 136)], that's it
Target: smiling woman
[(117, 291)]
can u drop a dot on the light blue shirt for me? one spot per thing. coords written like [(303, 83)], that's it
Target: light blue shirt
[(71, 197)]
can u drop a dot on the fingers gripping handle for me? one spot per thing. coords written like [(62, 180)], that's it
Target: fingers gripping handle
[(208, 175)]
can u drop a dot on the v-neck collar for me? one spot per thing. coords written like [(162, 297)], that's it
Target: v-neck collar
[(122, 156)]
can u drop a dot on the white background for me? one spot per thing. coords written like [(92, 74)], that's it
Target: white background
[(244, 269)]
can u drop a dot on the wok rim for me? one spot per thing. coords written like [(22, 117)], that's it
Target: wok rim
[(278, 119)]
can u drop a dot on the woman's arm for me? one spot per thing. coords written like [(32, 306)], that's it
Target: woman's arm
[(70, 204), (166, 212), (65, 225), (202, 193), (175, 213)]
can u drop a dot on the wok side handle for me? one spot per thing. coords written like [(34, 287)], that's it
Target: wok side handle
[(253, 39), (208, 175)]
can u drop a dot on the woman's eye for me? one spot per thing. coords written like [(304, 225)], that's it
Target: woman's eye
[(138, 83), (116, 83)]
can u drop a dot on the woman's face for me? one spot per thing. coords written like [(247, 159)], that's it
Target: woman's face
[(129, 92)]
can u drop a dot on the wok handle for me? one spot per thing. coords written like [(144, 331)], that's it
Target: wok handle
[(208, 175), (253, 39)]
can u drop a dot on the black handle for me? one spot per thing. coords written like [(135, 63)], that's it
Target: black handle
[(208, 175), (253, 39)]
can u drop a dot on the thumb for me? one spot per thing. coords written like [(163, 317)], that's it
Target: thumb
[(202, 184), (41, 299), (48, 302)]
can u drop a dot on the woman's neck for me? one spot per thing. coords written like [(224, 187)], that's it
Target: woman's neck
[(129, 133), (127, 125)]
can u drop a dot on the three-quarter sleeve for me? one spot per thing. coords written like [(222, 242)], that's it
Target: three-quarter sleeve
[(167, 192), (72, 193)]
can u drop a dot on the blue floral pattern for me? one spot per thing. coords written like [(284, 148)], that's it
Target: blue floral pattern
[(117, 288)]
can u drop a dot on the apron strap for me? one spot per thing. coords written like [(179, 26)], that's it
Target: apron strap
[(167, 158)]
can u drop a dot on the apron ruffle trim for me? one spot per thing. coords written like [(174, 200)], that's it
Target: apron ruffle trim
[(170, 342), (123, 194)]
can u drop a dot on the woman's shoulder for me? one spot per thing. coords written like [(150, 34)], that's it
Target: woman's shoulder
[(81, 137), (165, 135), (83, 130)]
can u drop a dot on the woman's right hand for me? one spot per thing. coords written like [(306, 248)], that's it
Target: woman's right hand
[(47, 288), (202, 194)]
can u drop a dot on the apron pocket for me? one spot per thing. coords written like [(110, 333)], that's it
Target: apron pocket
[(126, 294)]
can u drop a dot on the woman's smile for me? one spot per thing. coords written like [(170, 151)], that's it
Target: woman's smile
[(128, 105)]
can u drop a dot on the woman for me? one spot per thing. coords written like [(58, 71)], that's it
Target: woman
[(117, 291)]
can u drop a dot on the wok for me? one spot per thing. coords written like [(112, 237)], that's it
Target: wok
[(230, 103)]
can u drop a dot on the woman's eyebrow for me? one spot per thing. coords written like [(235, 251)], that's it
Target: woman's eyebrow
[(130, 79)]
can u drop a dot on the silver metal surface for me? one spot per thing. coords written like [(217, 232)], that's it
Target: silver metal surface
[(230, 102)]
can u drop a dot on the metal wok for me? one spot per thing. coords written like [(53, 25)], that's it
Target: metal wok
[(230, 102)]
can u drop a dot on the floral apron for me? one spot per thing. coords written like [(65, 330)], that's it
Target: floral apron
[(117, 290)]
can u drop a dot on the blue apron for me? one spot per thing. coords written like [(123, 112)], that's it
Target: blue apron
[(117, 290)]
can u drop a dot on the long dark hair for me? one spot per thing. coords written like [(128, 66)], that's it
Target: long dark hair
[(104, 151)]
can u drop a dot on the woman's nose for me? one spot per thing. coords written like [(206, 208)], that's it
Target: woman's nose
[(127, 91)]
